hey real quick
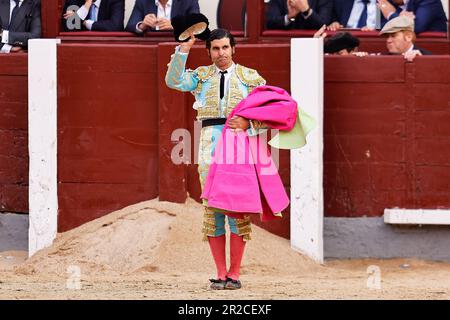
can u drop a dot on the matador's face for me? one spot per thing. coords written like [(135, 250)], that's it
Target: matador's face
[(221, 53)]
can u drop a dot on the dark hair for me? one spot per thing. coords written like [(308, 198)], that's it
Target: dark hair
[(340, 41), (218, 34)]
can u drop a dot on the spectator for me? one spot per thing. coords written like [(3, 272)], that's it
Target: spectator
[(156, 14), (357, 14), (94, 15), (400, 38), (428, 15), (298, 14), (343, 44), (20, 21)]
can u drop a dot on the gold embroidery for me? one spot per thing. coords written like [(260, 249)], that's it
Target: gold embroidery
[(175, 71), (211, 107), (208, 113), (235, 95), (204, 153), (249, 77), (205, 72), (244, 227)]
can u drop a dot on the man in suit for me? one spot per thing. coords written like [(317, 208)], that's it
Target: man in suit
[(20, 20), (151, 15), (94, 15), (355, 14), (428, 15), (400, 38), (298, 14)]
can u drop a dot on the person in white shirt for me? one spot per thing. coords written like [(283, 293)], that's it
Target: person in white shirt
[(156, 15), (357, 14), (93, 15)]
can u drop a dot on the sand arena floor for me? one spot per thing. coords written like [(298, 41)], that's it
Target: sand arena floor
[(153, 250)]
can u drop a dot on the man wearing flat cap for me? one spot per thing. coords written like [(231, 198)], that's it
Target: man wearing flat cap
[(400, 38), (217, 88)]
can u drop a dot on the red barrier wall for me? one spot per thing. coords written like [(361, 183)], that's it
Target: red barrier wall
[(385, 130), (381, 146), (107, 129), (370, 128), (14, 133), (386, 135)]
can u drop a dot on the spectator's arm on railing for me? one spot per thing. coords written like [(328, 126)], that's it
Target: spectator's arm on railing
[(426, 12), (276, 16), (115, 23), (137, 16), (33, 22), (321, 15)]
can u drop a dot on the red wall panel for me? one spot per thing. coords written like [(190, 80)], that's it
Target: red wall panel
[(372, 159), (14, 133), (107, 129), (385, 130)]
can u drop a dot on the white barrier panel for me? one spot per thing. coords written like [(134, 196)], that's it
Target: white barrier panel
[(42, 143), (417, 216), (307, 163)]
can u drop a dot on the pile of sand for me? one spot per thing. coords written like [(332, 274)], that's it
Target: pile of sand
[(154, 250), (155, 236)]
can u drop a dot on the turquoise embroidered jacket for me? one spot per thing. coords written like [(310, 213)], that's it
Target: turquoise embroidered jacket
[(204, 83)]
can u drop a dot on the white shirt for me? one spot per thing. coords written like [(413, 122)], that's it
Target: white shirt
[(5, 35), (358, 7), (404, 5), (229, 71), (83, 12), (163, 12), (410, 48)]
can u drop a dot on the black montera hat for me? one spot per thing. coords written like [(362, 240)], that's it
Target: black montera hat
[(340, 41), (196, 23)]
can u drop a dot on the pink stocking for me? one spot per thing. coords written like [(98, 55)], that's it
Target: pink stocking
[(237, 246), (217, 246)]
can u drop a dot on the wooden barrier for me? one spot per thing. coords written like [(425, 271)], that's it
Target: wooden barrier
[(13, 133), (107, 129), (386, 130)]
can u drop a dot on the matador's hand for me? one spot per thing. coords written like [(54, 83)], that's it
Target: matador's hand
[(238, 123), (185, 47)]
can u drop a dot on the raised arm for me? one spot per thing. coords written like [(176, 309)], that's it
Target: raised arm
[(177, 77)]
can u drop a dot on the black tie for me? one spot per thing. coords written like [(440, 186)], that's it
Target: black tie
[(363, 17), (14, 12), (222, 83)]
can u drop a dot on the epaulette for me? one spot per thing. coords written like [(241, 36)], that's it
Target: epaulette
[(249, 77), (205, 72)]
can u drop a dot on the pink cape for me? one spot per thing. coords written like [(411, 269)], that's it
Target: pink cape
[(242, 177)]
